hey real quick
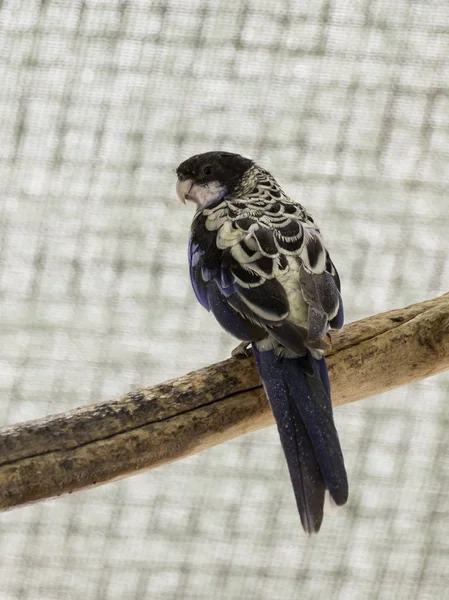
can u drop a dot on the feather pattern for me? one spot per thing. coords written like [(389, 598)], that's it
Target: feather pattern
[(265, 236)]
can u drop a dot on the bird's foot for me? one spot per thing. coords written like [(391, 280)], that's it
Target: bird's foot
[(243, 350)]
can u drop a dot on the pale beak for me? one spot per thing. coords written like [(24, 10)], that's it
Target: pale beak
[(183, 188)]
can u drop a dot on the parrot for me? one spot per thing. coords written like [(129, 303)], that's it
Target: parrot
[(258, 263)]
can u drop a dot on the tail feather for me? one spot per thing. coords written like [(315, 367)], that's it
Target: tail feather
[(299, 395)]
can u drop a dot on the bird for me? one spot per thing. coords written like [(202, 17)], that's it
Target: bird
[(258, 263)]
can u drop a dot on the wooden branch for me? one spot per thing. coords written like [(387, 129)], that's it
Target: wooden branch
[(154, 426)]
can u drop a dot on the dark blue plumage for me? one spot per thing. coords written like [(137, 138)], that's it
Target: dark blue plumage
[(257, 261)]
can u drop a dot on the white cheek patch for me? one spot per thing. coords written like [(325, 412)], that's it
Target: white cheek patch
[(203, 194)]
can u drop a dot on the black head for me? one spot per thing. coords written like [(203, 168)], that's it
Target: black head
[(213, 170)]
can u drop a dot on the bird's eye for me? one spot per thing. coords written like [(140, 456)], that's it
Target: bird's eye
[(207, 170)]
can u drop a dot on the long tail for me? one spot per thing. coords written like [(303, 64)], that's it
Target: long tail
[(299, 394)]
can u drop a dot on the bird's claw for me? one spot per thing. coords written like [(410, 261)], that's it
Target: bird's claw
[(243, 350)]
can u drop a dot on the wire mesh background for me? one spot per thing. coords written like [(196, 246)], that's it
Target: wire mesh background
[(347, 103)]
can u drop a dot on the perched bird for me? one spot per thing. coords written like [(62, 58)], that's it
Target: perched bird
[(258, 263)]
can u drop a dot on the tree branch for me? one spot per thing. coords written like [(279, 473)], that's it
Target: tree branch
[(148, 428)]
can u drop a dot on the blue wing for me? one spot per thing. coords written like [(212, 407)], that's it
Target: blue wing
[(212, 287), (196, 277)]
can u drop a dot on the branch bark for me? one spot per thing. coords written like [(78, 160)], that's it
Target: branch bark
[(154, 426)]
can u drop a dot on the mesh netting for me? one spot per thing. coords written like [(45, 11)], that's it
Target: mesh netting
[(346, 103)]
